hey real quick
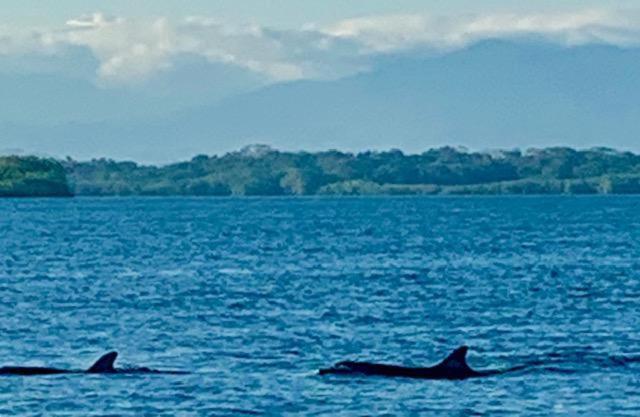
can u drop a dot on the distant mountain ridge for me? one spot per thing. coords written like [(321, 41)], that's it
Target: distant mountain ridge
[(494, 94)]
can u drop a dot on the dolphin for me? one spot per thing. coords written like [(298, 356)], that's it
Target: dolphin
[(453, 367), (104, 365)]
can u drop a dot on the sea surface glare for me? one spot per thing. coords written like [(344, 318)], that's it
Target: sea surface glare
[(253, 296)]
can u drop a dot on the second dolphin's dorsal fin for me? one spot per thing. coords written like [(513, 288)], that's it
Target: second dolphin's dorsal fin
[(104, 364), (456, 360)]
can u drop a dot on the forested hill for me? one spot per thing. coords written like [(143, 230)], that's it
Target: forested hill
[(260, 170), (32, 177)]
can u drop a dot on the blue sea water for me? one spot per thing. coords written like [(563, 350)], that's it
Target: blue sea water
[(252, 296)]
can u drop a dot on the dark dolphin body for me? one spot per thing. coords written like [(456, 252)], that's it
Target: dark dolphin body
[(453, 367), (104, 365)]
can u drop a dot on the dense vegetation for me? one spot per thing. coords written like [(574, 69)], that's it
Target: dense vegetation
[(32, 177), (260, 170)]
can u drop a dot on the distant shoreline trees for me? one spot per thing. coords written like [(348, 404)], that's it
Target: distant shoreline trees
[(32, 177), (261, 171)]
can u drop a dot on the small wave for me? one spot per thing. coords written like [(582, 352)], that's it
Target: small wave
[(573, 362), (239, 411), (235, 271)]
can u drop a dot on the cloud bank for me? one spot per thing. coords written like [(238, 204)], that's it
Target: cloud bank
[(393, 33), (132, 50)]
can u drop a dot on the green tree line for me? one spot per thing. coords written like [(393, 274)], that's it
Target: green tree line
[(32, 177), (261, 170)]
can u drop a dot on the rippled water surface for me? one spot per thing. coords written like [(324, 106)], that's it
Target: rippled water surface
[(252, 296)]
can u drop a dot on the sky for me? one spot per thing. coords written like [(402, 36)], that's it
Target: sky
[(278, 13), (286, 40), (87, 62)]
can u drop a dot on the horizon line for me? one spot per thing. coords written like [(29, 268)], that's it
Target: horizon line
[(259, 150)]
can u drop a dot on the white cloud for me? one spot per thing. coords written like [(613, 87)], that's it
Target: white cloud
[(93, 21), (380, 34), (127, 50), (130, 50), (21, 41)]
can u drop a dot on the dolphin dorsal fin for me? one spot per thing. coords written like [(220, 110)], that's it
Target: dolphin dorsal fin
[(104, 364), (457, 359)]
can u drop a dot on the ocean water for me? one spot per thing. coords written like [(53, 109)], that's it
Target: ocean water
[(252, 296)]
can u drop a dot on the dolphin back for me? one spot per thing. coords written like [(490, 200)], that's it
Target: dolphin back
[(453, 366), (456, 361), (104, 364)]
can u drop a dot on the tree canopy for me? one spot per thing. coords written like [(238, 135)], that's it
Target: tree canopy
[(32, 177), (260, 170)]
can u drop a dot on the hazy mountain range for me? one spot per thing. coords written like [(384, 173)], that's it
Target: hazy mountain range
[(492, 94)]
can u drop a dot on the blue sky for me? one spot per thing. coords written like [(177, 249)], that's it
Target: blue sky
[(279, 13)]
